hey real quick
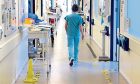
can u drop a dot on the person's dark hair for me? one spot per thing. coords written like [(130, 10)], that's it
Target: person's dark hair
[(75, 8)]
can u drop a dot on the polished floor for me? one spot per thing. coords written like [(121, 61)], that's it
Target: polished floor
[(88, 70)]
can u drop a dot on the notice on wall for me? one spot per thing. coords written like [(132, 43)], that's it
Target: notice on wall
[(8, 13)]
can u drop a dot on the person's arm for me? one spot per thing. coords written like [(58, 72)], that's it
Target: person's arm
[(81, 30), (66, 25)]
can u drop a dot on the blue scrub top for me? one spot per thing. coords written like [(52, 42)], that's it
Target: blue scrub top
[(73, 24)]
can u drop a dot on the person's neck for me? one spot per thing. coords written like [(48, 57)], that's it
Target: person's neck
[(74, 12)]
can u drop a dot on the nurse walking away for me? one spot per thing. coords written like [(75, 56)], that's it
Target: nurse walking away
[(73, 27)]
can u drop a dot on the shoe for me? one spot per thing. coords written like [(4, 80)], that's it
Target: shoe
[(71, 62), (75, 63)]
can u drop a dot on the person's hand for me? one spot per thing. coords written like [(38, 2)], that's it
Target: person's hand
[(82, 36)]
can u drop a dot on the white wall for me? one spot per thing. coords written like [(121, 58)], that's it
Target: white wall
[(15, 56), (38, 8), (130, 61), (96, 35), (97, 39), (13, 52)]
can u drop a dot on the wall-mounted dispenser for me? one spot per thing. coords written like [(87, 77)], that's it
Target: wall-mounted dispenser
[(83, 23), (107, 30), (124, 43), (109, 18), (92, 21), (88, 18)]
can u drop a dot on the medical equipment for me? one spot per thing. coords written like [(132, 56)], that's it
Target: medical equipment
[(41, 34)]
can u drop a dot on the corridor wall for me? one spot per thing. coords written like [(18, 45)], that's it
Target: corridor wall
[(38, 7), (129, 61), (96, 28), (14, 48), (129, 27)]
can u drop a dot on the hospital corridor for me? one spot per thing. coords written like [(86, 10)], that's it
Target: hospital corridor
[(88, 70), (35, 44)]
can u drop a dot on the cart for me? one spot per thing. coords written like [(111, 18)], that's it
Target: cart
[(41, 35)]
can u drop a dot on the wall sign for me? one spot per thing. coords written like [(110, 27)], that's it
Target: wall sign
[(8, 16)]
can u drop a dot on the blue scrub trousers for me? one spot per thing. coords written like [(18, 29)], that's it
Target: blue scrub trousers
[(73, 47)]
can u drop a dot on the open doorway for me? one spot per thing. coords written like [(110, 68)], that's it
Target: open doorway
[(31, 6)]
